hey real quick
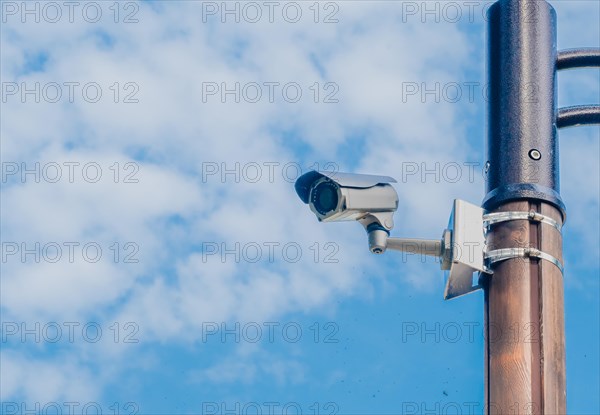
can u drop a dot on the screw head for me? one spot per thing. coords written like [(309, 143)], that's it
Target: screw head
[(535, 154)]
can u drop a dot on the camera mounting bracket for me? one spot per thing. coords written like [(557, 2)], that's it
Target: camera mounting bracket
[(462, 249)]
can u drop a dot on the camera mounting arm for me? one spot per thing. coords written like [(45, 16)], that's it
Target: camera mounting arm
[(429, 247), (462, 249), (379, 242)]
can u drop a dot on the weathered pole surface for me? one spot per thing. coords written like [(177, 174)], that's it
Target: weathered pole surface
[(524, 306)]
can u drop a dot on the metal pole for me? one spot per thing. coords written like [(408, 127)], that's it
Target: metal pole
[(524, 310)]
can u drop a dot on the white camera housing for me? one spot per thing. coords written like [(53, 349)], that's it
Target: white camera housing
[(334, 196)]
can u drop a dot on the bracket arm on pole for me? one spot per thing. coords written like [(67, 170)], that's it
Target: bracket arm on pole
[(578, 58), (579, 115)]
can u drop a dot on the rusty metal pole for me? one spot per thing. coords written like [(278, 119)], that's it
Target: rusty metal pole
[(524, 306)]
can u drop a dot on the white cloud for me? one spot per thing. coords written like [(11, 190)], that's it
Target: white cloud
[(26, 380)]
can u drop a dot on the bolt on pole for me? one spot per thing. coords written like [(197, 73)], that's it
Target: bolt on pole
[(524, 305)]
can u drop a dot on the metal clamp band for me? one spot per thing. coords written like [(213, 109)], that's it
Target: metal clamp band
[(497, 217), (498, 255)]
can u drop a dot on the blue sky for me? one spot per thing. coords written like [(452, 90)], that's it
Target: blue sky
[(155, 257)]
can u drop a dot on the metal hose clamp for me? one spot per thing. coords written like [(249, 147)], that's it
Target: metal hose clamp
[(497, 217), (503, 254)]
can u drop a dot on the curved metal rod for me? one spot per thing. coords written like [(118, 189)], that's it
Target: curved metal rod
[(581, 115), (578, 58)]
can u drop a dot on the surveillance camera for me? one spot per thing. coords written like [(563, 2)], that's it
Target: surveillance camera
[(334, 196), (372, 201)]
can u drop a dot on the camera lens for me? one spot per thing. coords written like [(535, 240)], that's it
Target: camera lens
[(325, 197)]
